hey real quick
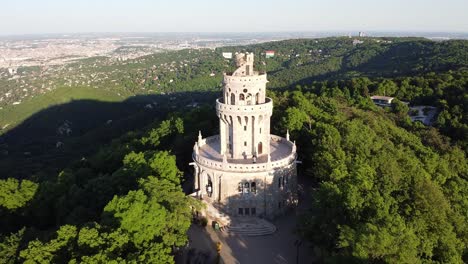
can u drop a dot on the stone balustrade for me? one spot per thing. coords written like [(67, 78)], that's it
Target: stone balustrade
[(218, 163), (236, 110), (257, 77)]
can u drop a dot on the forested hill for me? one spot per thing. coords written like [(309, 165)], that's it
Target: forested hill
[(295, 62), (415, 70), (303, 60), (96, 178)]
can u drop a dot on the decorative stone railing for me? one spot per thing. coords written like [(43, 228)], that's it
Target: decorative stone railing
[(227, 109), (257, 77), (215, 163)]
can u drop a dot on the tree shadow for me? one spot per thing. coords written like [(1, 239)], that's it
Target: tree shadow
[(78, 194), (52, 138)]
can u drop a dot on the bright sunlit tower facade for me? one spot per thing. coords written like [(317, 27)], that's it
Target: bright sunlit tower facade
[(245, 171)]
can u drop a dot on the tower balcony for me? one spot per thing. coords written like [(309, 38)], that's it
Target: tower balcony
[(282, 153), (244, 110), (260, 77)]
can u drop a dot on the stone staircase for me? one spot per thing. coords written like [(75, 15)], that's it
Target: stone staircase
[(246, 226), (250, 226)]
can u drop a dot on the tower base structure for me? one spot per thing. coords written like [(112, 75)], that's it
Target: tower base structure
[(265, 186)]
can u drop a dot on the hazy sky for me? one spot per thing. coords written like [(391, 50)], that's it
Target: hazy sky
[(65, 16)]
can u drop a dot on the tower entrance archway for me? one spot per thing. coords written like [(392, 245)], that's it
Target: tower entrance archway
[(209, 187)]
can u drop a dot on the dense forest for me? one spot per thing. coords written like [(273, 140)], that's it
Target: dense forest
[(386, 190)]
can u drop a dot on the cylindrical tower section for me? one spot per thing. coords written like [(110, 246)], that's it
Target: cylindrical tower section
[(244, 112), (244, 90)]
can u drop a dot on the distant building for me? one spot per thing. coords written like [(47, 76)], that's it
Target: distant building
[(269, 53), (382, 100), (227, 55), (357, 41), (12, 71), (362, 34)]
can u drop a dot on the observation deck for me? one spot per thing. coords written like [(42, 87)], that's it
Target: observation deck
[(227, 109), (207, 153), (255, 77)]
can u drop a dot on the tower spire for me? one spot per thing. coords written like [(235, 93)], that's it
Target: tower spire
[(199, 138)]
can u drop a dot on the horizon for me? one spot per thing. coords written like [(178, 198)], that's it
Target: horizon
[(278, 34), (208, 16)]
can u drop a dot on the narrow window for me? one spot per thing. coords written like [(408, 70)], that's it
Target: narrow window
[(247, 211), (253, 211), (253, 187), (260, 130), (241, 211), (245, 143), (280, 182), (239, 188), (245, 128), (246, 187), (233, 99)]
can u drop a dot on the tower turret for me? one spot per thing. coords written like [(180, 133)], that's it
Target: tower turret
[(244, 111)]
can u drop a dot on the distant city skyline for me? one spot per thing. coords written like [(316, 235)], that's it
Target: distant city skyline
[(54, 16)]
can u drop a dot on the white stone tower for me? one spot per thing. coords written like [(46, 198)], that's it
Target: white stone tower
[(245, 170), (244, 112)]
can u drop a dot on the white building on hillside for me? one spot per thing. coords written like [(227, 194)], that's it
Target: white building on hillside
[(382, 100)]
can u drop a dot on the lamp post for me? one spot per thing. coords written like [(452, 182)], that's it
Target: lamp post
[(297, 243)]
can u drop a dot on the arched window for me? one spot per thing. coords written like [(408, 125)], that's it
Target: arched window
[(233, 99), (240, 187), (253, 187), (241, 97), (249, 99), (246, 187), (209, 187), (280, 182)]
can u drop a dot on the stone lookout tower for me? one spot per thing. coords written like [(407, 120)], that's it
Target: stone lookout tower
[(245, 171)]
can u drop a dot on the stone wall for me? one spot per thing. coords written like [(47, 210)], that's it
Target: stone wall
[(275, 190)]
